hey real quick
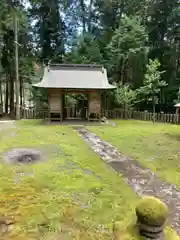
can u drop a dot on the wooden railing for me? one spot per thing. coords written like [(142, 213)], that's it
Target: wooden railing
[(34, 113), (112, 114), (142, 115), (44, 113)]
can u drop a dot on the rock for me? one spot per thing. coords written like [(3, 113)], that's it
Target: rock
[(7, 221), (151, 211), (104, 120), (150, 231), (151, 217), (6, 225)]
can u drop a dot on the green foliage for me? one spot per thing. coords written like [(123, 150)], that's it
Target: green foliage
[(71, 101), (125, 96), (127, 45), (153, 77), (49, 30), (39, 96), (121, 35), (178, 97), (152, 83), (152, 211), (130, 37), (85, 50)]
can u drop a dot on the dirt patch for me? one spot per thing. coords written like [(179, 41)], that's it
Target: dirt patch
[(22, 155)]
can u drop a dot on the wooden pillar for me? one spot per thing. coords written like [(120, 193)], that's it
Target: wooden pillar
[(177, 110), (94, 105), (61, 106), (55, 104)]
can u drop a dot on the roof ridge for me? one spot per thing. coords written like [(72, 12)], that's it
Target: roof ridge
[(76, 65)]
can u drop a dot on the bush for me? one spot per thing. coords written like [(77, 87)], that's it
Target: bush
[(151, 211)]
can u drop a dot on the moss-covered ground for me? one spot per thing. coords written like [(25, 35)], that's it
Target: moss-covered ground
[(70, 194), (155, 146)]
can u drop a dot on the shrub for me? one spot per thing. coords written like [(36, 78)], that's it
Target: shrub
[(151, 211)]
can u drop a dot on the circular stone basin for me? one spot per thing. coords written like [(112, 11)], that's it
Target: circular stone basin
[(22, 155)]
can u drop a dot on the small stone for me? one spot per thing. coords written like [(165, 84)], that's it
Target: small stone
[(6, 225), (9, 221), (104, 120)]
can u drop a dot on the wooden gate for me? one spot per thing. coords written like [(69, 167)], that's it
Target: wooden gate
[(75, 110), (75, 113)]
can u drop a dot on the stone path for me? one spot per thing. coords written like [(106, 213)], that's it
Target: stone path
[(143, 181)]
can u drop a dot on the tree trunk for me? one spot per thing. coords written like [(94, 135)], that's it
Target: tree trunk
[(23, 101), (7, 95), (154, 110), (21, 94), (121, 11), (178, 59), (90, 16), (125, 110), (24, 104), (83, 15), (11, 96), (122, 71), (1, 99)]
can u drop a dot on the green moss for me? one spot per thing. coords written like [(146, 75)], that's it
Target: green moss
[(152, 211), (53, 195), (155, 146), (170, 234), (56, 203)]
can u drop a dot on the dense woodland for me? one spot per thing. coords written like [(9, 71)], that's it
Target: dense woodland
[(138, 41)]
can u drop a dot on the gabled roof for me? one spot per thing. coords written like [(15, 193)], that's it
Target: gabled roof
[(177, 105), (78, 76)]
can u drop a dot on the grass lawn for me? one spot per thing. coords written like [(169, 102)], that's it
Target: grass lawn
[(155, 146), (71, 194)]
